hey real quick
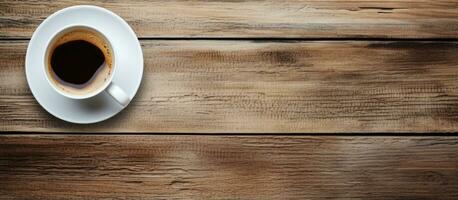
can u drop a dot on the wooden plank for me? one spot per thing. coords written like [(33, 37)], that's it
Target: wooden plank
[(269, 18), (227, 167), (258, 87)]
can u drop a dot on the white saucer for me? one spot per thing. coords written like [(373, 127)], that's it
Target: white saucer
[(128, 76)]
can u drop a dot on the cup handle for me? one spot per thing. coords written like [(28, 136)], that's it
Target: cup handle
[(118, 94)]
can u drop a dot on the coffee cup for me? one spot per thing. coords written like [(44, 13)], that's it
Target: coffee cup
[(80, 63)]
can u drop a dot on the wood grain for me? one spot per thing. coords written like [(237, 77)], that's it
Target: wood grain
[(227, 167), (266, 87), (256, 18)]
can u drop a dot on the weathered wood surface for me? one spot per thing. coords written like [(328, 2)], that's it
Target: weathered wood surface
[(223, 167), (270, 18), (259, 87)]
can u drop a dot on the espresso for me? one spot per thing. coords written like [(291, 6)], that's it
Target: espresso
[(76, 62), (79, 61)]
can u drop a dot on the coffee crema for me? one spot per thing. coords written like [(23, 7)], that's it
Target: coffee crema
[(79, 61)]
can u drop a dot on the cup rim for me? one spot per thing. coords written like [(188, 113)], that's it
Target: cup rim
[(66, 94)]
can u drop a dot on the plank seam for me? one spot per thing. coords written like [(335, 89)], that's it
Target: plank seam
[(373, 134), (279, 39)]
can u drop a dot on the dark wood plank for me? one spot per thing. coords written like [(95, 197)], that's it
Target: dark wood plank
[(258, 87), (223, 167), (266, 18)]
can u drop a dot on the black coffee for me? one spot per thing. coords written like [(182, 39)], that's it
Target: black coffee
[(76, 61)]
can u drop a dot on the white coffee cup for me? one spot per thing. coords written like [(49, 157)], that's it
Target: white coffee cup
[(72, 92)]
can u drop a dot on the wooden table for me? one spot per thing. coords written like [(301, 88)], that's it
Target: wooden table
[(250, 100)]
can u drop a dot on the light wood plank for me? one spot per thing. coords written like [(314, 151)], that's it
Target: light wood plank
[(269, 18), (258, 87), (223, 167)]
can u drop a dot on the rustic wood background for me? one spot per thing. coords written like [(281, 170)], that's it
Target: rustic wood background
[(250, 100)]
